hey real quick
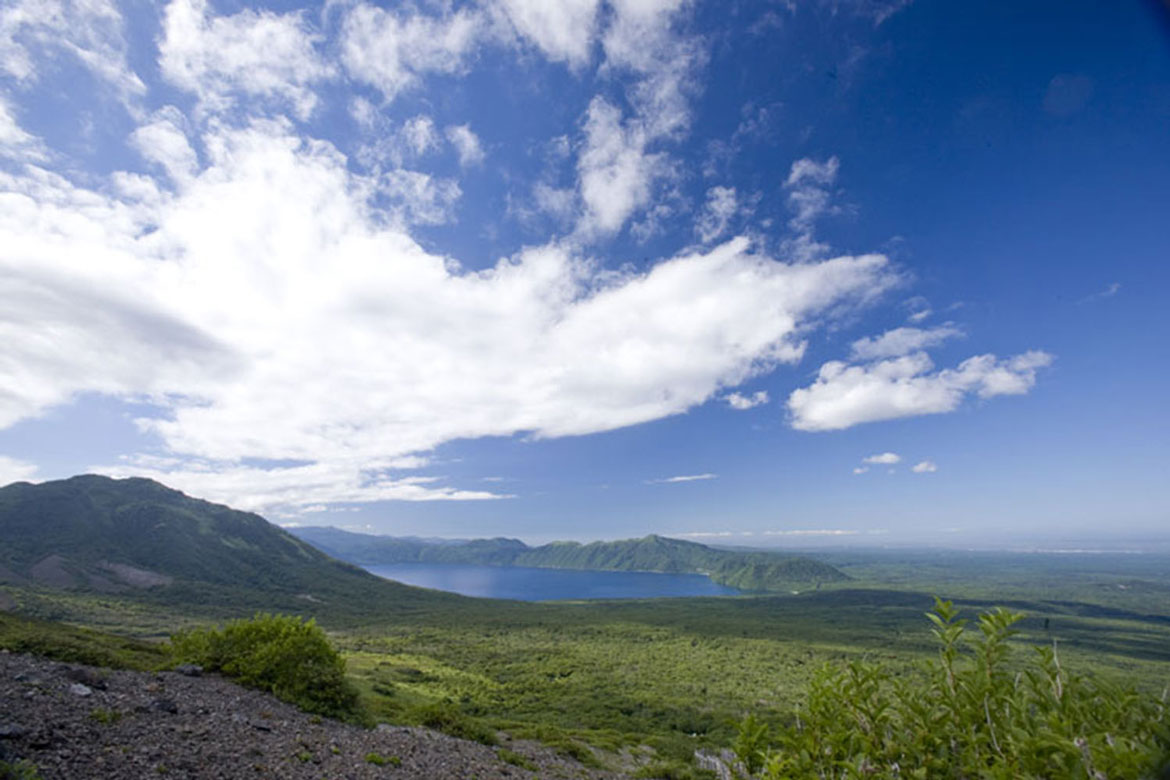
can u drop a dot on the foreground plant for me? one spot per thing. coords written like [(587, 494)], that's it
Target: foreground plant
[(281, 654), (973, 717)]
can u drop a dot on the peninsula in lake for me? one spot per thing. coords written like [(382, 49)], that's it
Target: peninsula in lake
[(750, 571)]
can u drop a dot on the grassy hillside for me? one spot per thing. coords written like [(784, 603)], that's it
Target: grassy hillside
[(137, 537), (752, 571)]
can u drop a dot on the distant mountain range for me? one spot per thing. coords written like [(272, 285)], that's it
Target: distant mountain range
[(752, 571), (137, 537)]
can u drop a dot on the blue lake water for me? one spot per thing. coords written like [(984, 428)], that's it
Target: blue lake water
[(525, 584)]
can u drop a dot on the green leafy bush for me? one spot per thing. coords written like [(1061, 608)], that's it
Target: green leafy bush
[(281, 654), (975, 716), (446, 717)]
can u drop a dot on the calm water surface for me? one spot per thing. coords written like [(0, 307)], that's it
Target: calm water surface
[(525, 584)]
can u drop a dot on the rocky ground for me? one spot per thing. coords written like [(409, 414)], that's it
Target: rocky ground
[(74, 722)]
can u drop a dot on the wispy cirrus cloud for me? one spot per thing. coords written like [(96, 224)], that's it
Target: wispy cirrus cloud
[(682, 478)]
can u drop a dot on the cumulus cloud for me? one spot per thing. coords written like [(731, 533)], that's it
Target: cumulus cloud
[(13, 470), (902, 341), (741, 402), (466, 144), (860, 469), (885, 459), (924, 467), (845, 395), (563, 31), (717, 213), (391, 50), (269, 270), (251, 54), (683, 478)]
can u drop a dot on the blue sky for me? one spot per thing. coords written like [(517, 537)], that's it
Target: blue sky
[(873, 271)]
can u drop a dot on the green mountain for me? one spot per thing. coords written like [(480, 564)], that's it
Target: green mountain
[(755, 571), (137, 537)]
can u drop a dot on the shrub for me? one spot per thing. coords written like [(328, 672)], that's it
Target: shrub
[(515, 759), (19, 770), (377, 759), (281, 654), (973, 717), (446, 717)]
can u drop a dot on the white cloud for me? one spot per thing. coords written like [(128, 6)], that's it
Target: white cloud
[(163, 141), (860, 469), (885, 459), (1108, 292), (720, 208), (616, 172), (256, 54), (13, 470), (809, 199), (14, 141), (364, 113), (564, 31), (807, 171), (741, 402), (902, 341), (617, 168), (845, 395), (390, 51), (89, 30), (643, 38), (270, 270), (683, 478), (297, 488), (920, 315), (924, 467), (558, 202), (419, 135), (807, 194), (466, 144), (419, 198)]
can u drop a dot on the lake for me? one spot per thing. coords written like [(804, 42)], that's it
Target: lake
[(528, 584)]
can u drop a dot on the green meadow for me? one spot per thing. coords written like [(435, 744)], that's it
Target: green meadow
[(660, 677)]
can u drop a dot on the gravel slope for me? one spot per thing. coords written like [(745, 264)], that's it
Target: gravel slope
[(75, 722)]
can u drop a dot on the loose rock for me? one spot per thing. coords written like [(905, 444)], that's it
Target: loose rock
[(219, 731)]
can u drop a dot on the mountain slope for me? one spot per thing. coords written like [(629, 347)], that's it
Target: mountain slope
[(137, 536), (757, 571)]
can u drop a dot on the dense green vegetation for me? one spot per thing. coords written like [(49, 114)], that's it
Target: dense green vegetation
[(283, 655), (656, 679), (61, 642), (752, 571), (973, 715)]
